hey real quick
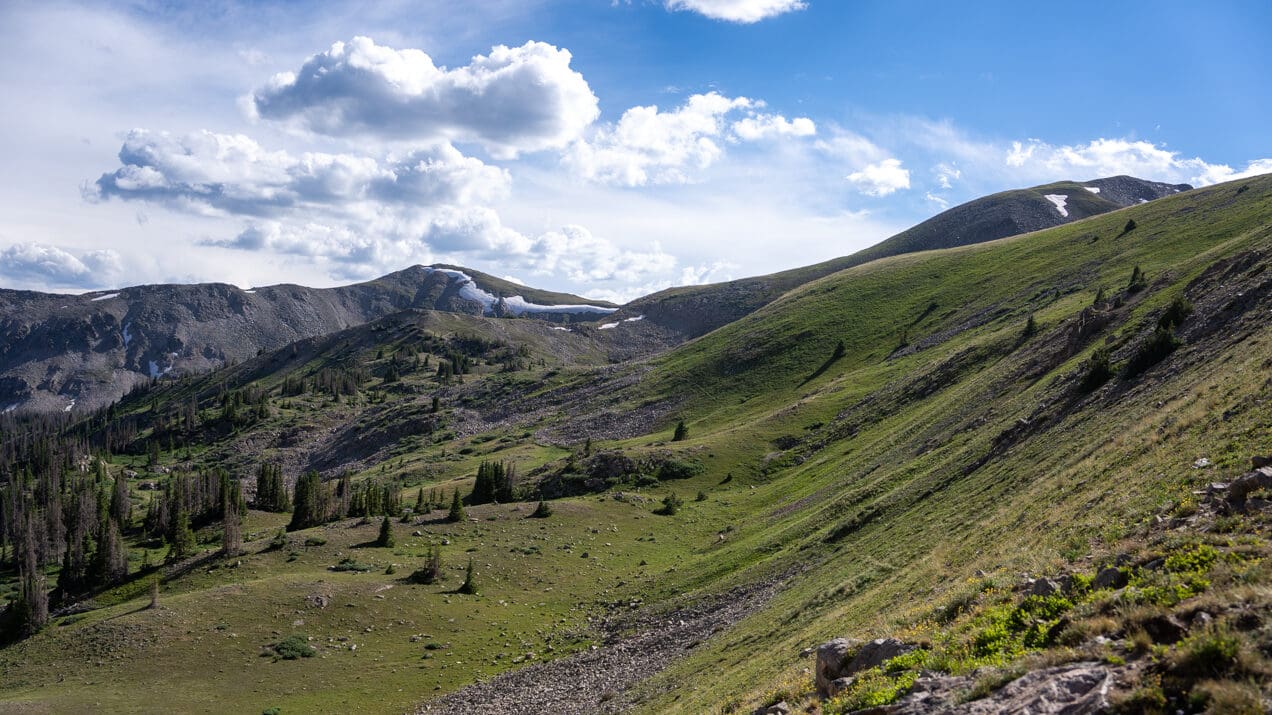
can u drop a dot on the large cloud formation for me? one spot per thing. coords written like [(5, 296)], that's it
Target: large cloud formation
[(650, 146), (41, 265), (357, 215), (740, 11), (512, 100), (231, 174)]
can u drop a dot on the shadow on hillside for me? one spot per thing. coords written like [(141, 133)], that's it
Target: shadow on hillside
[(824, 367)]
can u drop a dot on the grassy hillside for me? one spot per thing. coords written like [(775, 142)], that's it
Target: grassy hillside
[(696, 310), (865, 487)]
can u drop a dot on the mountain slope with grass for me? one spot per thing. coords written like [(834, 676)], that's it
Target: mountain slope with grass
[(688, 312), (63, 352), (903, 449)]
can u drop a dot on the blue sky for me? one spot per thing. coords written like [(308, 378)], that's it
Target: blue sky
[(608, 148)]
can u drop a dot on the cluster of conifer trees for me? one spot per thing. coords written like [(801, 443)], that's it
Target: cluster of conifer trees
[(496, 482)]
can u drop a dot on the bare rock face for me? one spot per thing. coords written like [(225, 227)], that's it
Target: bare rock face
[(831, 657), (842, 658)]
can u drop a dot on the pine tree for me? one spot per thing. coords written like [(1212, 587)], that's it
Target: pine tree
[(31, 611), (385, 539), (681, 432), (310, 508), (182, 544), (419, 502), (231, 524), (543, 511), (1031, 328), (110, 561), (456, 513), (431, 571), (120, 503), (469, 586), (271, 490)]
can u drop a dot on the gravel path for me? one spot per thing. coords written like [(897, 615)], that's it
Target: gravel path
[(637, 646)]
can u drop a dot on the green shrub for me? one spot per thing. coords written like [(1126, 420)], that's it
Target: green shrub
[(870, 689), (671, 504), (315, 541), (1152, 351), (679, 469), (1212, 653), (1197, 559), (293, 647), (1175, 313), (1098, 371)]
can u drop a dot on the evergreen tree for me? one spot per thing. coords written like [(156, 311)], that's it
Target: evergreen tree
[(431, 571), (681, 432), (110, 561), (30, 612), (543, 511), (456, 513), (271, 490), (1031, 328), (120, 503), (310, 508), (420, 504), (231, 524), (182, 544), (470, 581), (385, 538)]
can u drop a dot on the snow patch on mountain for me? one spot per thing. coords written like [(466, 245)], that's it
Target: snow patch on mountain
[(1092, 189), (1059, 200), (127, 335), (515, 304), (108, 296)]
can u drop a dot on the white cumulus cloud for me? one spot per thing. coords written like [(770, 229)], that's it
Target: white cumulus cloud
[(231, 174), (651, 146), (513, 99), (41, 265), (767, 125), (881, 179), (1108, 157), (741, 11)]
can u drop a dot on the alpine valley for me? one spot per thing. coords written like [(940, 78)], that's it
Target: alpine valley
[(1013, 459)]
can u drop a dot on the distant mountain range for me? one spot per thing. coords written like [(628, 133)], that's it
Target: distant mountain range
[(65, 352)]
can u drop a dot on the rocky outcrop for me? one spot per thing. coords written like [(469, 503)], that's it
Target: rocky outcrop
[(839, 660), (1063, 690)]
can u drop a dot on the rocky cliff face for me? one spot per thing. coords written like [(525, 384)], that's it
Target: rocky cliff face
[(68, 352)]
